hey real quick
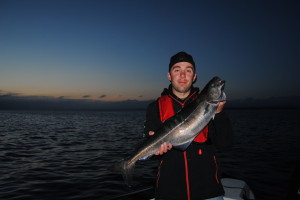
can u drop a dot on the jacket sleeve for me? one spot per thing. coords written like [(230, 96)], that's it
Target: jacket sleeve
[(220, 131), (152, 122)]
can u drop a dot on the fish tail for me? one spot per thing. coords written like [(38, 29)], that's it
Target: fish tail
[(126, 168)]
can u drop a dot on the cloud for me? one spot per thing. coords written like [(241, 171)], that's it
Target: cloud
[(8, 94), (102, 96), (141, 96), (86, 96), (10, 102)]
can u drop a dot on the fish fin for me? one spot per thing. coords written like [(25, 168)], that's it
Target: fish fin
[(126, 169), (146, 157), (127, 172), (183, 147)]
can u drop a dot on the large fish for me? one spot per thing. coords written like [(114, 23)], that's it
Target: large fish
[(179, 130)]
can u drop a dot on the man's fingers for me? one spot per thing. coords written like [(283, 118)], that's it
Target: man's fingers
[(161, 150), (151, 133), (164, 148), (220, 107)]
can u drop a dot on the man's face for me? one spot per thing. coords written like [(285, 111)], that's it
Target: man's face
[(182, 76)]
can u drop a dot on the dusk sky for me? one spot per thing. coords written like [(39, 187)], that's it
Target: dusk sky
[(114, 50)]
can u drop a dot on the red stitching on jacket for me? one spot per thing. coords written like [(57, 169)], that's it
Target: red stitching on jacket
[(187, 176), (158, 173), (216, 169)]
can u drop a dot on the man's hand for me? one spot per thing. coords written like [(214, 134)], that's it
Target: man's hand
[(163, 147), (220, 107)]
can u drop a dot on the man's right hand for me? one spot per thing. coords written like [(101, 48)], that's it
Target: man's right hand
[(164, 147)]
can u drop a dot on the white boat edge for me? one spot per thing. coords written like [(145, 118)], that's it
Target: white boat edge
[(236, 189)]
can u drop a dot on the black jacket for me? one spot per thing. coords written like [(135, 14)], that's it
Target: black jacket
[(195, 171)]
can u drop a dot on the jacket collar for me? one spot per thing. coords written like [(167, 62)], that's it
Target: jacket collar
[(168, 91)]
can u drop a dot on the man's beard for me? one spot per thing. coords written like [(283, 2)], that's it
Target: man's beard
[(182, 90)]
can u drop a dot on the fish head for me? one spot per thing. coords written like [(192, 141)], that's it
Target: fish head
[(215, 90)]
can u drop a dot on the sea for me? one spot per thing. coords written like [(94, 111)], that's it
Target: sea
[(67, 155)]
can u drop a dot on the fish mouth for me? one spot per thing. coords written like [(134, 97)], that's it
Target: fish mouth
[(222, 82)]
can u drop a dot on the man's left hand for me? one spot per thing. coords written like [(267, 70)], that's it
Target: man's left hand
[(220, 107)]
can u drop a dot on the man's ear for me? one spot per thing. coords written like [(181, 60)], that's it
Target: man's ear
[(195, 78), (169, 76)]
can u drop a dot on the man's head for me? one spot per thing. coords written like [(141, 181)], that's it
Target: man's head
[(182, 74), (181, 57)]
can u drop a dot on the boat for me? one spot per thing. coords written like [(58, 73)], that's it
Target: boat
[(235, 189)]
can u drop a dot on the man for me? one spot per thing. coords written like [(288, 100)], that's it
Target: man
[(192, 174)]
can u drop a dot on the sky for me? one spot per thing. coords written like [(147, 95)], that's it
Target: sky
[(116, 50)]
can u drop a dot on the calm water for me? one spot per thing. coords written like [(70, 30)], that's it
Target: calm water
[(65, 154)]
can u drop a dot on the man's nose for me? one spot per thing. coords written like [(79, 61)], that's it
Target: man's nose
[(182, 74)]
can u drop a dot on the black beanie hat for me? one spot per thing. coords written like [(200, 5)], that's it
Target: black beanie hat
[(181, 57)]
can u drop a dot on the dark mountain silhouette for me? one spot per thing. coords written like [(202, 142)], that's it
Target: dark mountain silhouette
[(14, 102), (272, 102)]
